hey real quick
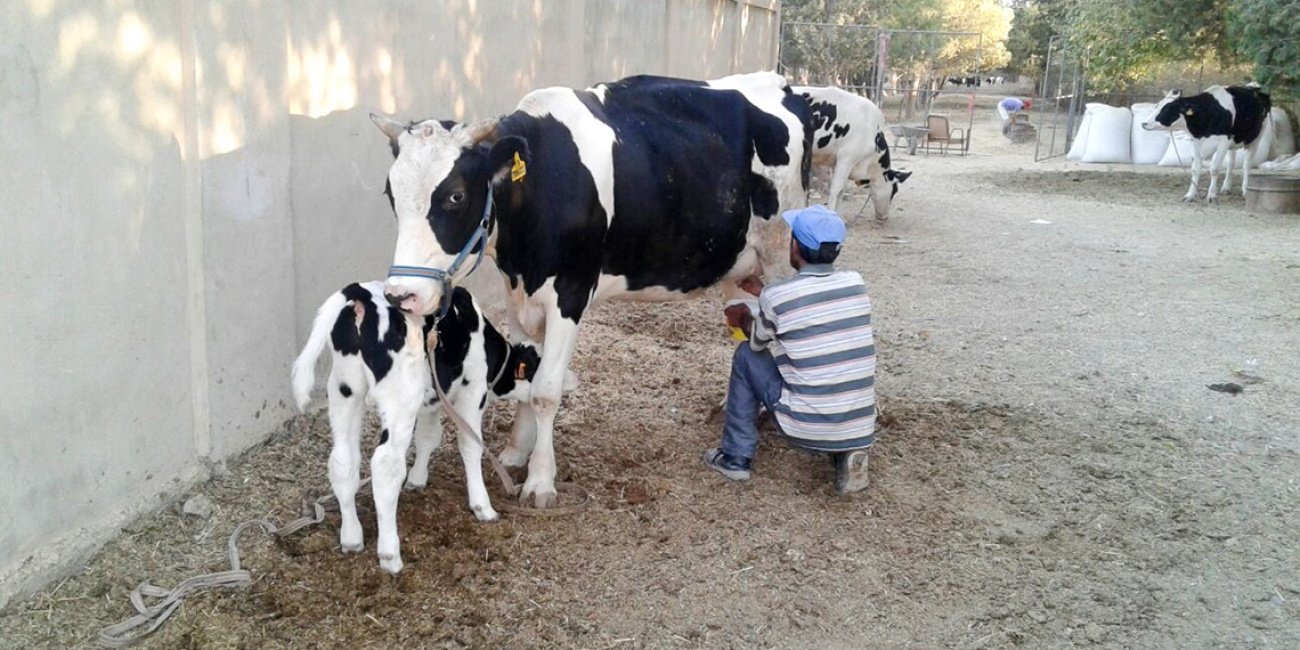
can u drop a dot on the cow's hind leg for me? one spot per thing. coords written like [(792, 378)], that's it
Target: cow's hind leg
[(839, 179), (548, 385), (387, 470), (347, 407), (428, 436)]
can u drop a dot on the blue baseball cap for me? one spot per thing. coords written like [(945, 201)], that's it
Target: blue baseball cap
[(815, 225)]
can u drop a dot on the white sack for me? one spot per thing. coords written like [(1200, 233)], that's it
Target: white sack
[(1148, 147), (1108, 139), (1179, 152), (1283, 134), (1080, 142)]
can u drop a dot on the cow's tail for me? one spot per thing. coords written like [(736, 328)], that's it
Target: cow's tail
[(304, 367)]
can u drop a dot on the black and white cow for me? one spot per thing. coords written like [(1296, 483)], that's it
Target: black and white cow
[(1220, 119), (379, 351), (849, 136), (646, 188)]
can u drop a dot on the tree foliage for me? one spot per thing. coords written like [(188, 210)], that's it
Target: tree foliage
[(1266, 33), (1124, 41)]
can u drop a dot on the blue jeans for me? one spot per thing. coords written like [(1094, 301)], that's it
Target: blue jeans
[(755, 381)]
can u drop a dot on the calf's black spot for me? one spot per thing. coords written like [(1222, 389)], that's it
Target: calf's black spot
[(383, 436), (345, 390)]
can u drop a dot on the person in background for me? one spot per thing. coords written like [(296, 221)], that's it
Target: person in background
[(1010, 108), (810, 359)]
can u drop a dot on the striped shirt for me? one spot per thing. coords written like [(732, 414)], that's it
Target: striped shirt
[(817, 326)]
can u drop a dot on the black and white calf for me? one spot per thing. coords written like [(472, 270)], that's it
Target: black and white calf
[(1219, 119), (849, 136), (646, 188), (379, 351)]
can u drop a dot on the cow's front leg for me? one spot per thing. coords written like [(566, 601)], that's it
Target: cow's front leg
[(548, 385), (1226, 187), (1196, 178), (1245, 166), (428, 436), (387, 469), (346, 413), (471, 453)]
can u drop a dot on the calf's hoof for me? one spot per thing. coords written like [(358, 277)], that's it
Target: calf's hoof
[(391, 563), (412, 486), (352, 548)]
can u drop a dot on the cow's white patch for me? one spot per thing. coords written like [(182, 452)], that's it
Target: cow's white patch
[(599, 90), (854, 156), (766, 91), (594, 139), (427, 154)]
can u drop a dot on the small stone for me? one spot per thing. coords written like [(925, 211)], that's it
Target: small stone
[(1039, 617), (199, 506), (1094, 632)]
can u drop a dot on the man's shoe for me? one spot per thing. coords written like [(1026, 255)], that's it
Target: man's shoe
[(850, 471), (736, 469)]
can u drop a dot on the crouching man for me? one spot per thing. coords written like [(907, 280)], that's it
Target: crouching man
[(810, 359)]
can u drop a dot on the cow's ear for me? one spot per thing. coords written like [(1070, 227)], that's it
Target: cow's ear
[(902, 175), (390, 127), (509, 155)]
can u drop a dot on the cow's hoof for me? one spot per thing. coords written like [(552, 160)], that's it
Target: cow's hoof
[(352, 548), (511, 457), (392, 564), (544, 500), (1188, 199), (1211, 199), (485, 513), (414, 487)]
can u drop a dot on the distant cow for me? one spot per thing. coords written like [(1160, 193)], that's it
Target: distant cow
[(379, 352), (849, 135), (646, 188), (1218, 119)]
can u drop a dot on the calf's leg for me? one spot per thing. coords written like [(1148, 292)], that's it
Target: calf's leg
[(428, 436), (346, 413), (471, 453), (387, 469)]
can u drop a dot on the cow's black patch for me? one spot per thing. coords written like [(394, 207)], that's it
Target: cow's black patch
[(345, 390), (823, 141), (1206, 116), (823, 115), (454, 333), (764, 200), (482, 401), (383, 436), (882, 146), (841, 130)]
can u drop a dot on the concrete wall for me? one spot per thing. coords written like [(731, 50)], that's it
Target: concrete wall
[(184, 182)]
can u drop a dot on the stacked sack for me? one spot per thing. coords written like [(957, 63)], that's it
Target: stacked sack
[(1113, 134)]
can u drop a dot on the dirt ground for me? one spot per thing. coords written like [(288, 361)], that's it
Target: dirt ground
[(1052, 470)]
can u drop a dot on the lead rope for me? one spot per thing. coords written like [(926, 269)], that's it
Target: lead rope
[(149, 618), (512, 489)]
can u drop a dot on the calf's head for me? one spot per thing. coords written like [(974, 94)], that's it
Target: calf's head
[(438, 186), (1167, 113)]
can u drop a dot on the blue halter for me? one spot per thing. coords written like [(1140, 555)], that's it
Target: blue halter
[(447, 276)]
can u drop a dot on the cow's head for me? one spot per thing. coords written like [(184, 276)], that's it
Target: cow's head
[(1167, 113), (438, 186)]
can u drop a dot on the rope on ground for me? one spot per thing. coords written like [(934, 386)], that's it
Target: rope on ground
[(512, 489), (149, 618)]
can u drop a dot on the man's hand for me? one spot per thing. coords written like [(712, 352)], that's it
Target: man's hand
[(738, 315), (751, 285)]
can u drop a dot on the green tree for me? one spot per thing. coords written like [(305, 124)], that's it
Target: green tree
[(1266, 33)]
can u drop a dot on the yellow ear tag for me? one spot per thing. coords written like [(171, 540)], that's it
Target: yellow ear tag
[(519, 169)]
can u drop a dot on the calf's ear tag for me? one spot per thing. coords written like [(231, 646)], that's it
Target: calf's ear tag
[(519, 169), (521, 372)]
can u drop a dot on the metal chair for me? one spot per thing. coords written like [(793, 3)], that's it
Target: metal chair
[(944, 135)]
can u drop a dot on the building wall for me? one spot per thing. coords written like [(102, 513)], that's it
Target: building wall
[(185, 181)]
